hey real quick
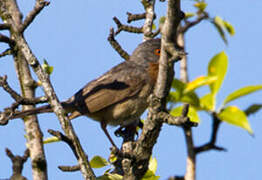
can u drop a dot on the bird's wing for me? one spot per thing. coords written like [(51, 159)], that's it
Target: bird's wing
[(118, 84)]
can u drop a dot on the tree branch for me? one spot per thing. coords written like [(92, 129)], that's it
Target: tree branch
[(134, 17), (10, 13), (86, 170), (121, 27), (10, 111), (178, 120), (116, 45), (69, 168), (65, 139), (6, 39), (4, 26), (6, 52), (211, 145), (17, 163), (188, 25), (153, 124), (39, 5), (149, 7)]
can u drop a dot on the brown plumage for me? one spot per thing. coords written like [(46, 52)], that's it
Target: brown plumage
[(119, 96)]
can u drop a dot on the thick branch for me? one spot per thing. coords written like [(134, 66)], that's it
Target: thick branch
[(58, 109), (11, 13), (153, 124), (150, 15)]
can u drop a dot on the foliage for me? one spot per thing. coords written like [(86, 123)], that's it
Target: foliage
[(100, 162), (217, 68)]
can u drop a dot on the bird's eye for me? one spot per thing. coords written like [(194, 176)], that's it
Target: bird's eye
[(157, 52)]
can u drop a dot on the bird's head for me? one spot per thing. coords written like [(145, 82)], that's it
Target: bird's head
[(146, 52)]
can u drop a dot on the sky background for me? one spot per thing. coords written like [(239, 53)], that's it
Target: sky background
[(72, 36)]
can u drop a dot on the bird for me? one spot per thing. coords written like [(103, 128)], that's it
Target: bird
[(119, 96)]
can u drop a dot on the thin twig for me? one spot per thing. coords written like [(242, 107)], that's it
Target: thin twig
[(13, 93), (39, 5), (10, 111), (17, 97), (6, 52), (176, 178), (116, 45), (154, 34), (17, 163), (179, 120), (191, 156), (134, 17), (188, 25), (6, 39), (69, 168), (211, 145), (4, 26), (65, 139), (121, 27)]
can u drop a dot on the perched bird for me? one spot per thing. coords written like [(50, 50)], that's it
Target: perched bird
[(119, 96)]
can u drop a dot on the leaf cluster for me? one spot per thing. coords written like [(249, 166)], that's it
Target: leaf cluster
[(216, 72)]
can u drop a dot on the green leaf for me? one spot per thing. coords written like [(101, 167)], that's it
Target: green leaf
[(207, 102), (233, 115), (98, 162), (178, 85), (152, 165), (48, 69), (190, 98), (253, 109), (153, 26), (173, 97), (162, 20), (110, 176), (217, 67), (219, 24), (230, 29), (242, 92), (189, 15), (51, 140), (198, 82), (150, 174), (192, 113), (201, 5), (179, 95), (153, 177), (112, 158)]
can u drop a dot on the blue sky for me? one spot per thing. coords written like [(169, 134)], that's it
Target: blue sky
[(72, 36)]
